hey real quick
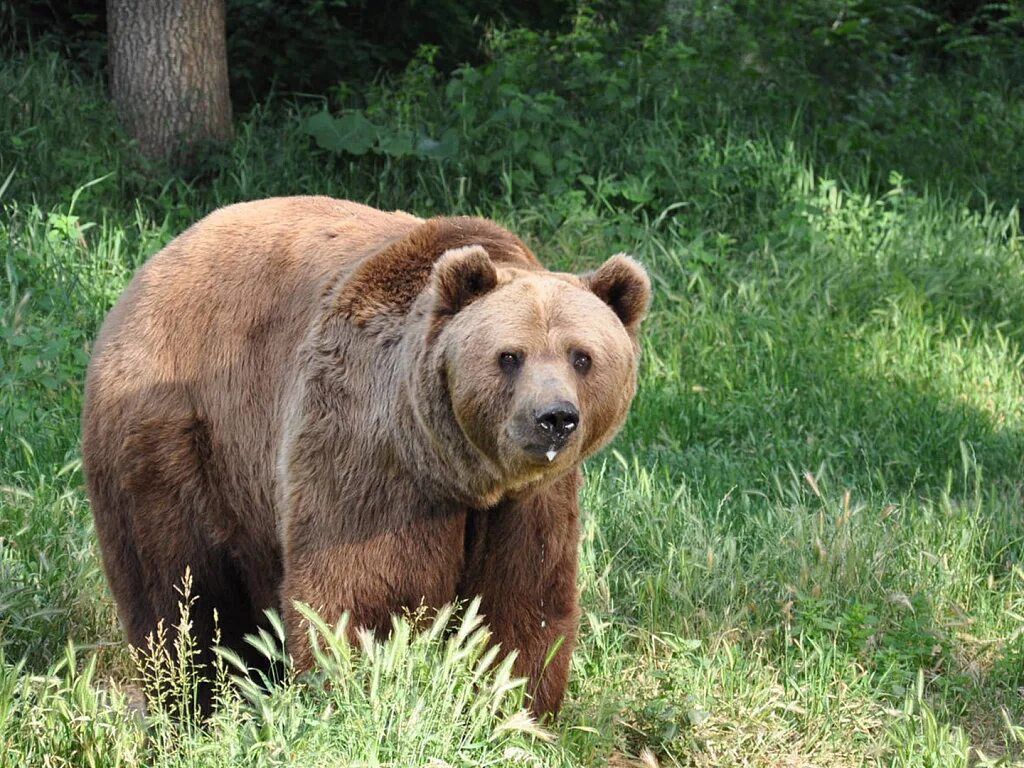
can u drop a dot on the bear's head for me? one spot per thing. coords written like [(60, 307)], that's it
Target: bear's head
[(536, 369)]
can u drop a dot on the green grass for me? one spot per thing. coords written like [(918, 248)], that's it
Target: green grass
[(807, 546)]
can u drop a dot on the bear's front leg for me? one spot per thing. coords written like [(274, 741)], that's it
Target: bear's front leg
[(368, 562), (521, 560)]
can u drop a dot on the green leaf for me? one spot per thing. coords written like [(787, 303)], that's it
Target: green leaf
[(541, 161), (847, 28), (352, 133), (396, 144), (439, 149)]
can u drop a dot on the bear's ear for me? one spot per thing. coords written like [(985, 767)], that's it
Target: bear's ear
[(623, 285), (461, 275)]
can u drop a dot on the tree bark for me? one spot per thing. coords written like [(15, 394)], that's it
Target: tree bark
[(169, 73)]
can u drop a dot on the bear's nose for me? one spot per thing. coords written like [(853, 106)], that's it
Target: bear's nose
[(557, 421)]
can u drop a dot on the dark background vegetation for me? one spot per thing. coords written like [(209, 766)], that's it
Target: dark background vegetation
[(312, 45), (309, 45), (848, 78)]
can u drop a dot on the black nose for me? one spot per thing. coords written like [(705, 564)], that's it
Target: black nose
[(557, 421)]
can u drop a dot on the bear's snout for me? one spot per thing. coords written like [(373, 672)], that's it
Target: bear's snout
[(556, 422), (539, 433)]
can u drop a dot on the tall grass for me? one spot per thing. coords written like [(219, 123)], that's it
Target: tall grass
[(806, 548)]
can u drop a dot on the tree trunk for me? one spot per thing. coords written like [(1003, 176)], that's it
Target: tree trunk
[(169, 73)]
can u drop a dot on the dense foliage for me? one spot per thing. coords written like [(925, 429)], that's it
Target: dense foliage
[(304, 45), (808, 545)]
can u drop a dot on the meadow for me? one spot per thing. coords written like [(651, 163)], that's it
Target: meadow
[(807, 546)]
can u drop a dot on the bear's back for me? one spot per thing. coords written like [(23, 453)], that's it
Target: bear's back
[(244, 272)]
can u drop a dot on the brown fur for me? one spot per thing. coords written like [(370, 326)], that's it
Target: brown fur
[(299, 399)]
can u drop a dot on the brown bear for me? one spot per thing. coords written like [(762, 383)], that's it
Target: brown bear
[(306, 399)]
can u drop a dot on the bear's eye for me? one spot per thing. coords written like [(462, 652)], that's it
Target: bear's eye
[(581, 361), (510, 361)]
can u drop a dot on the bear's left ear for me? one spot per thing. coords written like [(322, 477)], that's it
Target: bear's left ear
[(461, 275), (623, 285)]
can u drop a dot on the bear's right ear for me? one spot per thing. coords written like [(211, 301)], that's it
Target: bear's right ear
[(461, 275)]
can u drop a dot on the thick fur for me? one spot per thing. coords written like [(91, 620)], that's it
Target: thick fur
[(299, 400)]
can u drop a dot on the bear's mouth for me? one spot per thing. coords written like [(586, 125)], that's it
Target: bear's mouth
[(543, 453)]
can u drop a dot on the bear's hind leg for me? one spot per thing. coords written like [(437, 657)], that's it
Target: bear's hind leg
[(159, 514), (223, 606)]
